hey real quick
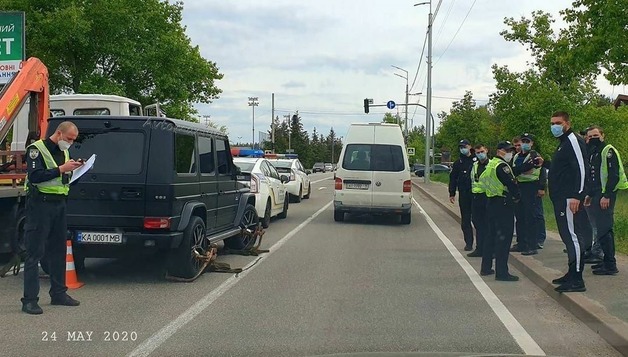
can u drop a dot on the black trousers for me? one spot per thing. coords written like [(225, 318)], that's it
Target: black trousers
[(480, 222), (573, 230), (465, 201), (527, 223), (45, 232), (500, 214), (604, 221)]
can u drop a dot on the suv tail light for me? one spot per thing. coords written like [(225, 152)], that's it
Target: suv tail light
[(254, 183), (338, 182), (407, 186), (156, 222), (292, 176)]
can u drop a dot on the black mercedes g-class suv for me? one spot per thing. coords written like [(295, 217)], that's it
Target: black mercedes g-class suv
[(157, 184)]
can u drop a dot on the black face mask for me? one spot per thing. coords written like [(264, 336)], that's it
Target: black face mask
[(594, 142)]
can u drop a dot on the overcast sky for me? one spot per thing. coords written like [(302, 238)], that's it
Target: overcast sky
[(324, 57)]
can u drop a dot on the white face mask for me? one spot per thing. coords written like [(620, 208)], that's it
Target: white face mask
[(63, 145), (508, 157)]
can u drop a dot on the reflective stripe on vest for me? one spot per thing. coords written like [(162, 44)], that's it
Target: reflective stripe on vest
[(623, 182), (489, 180), (476, 187), (54, 186), (525, 177)]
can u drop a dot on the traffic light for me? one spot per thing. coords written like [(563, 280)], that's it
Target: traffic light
[(366, 105)]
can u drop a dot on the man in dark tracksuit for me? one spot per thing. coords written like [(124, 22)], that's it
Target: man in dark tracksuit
[(478, 215), (566, 181), (460, 179), (531, 181), (502, 193), (593, 251), (45, 229), (606, 176)]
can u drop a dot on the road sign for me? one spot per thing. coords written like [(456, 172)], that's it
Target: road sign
[(11, 44), (390, 104), (410, 151)]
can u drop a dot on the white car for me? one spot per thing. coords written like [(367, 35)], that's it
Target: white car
[(300, 185), (373, 175), (268, 185)]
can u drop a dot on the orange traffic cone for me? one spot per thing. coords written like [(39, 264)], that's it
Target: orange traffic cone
[(71, 280)]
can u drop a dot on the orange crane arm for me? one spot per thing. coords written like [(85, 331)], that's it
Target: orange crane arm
[(31, 81)]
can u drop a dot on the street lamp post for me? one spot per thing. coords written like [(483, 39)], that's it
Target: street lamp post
[(406, 116), (426, 176), (253, 102), (287, 117)]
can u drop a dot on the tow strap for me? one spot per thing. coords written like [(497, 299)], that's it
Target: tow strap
[(13, 264), (209, 258)]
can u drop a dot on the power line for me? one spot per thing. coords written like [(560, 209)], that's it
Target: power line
[(418, 68), (440, 30), (456, 34)]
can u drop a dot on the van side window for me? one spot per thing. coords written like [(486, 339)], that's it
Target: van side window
[(135, 110), (92, 111), (206, 155), (185, 153), (223, 155)]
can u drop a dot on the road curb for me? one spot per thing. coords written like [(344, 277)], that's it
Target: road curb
[(590, 312)]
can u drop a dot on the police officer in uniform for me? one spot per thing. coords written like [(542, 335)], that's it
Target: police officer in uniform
[(606, 176), (531, 181), (502, 193), (460, 179), (45, 229), (478, 215)]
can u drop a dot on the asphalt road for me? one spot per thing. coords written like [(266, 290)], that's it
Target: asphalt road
[(364, 285)]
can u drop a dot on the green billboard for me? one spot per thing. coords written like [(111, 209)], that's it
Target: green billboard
[(12, 38)]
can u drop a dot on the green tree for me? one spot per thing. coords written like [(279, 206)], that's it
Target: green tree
[(137, 49), (391, 119)]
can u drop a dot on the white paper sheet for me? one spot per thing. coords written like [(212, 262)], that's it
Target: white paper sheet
[(77, 173)]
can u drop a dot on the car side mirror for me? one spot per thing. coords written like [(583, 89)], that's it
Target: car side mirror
[(285, 179), (307, 172)]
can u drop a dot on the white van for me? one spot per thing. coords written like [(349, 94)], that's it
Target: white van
[(75, 104), (373, 175)]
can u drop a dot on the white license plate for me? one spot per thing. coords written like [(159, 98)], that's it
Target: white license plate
[(99, 237), (357, 186)]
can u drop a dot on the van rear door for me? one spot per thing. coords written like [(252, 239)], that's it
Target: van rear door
[(111, 196), (389, 165), (357, 177)]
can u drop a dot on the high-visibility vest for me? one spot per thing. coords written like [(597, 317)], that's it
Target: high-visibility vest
[(489, 180), (476, 187), (56, 185), (623, 182), (527, 177)]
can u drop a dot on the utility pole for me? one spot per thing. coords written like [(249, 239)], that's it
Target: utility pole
[(253, 102), (429, 97), (272, 123)]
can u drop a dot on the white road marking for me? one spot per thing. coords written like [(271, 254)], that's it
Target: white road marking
[(521, 336), (326, 178), (322, 188), (157, 339)]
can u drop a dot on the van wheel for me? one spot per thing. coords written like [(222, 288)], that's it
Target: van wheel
[(182, 261), (309, 191), (406, 218), (267, 213), (249, 220), (339, 216), (284, 213)]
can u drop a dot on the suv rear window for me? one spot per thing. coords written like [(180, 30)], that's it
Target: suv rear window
[(373, 157), (117, 152)]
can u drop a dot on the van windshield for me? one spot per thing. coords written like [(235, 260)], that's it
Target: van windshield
[(117, 152), (373, 157)]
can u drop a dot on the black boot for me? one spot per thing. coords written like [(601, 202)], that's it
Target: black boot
[(31, 307), (575, 284)]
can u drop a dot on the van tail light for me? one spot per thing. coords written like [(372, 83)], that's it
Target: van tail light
[(156, 222), (338, 182), (407, 186), (292, 176), (254, 183)]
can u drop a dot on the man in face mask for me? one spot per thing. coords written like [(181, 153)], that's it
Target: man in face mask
[(593, 251), (567, 188), (531, 178), (606, 177), (49, 169), (478, 215), (460, 179), (500, 188)]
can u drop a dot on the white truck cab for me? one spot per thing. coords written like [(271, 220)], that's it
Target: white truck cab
[(76, 104)]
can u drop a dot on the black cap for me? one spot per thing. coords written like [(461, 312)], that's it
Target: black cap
[(527, 136), (505, 145), (464, 142)]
